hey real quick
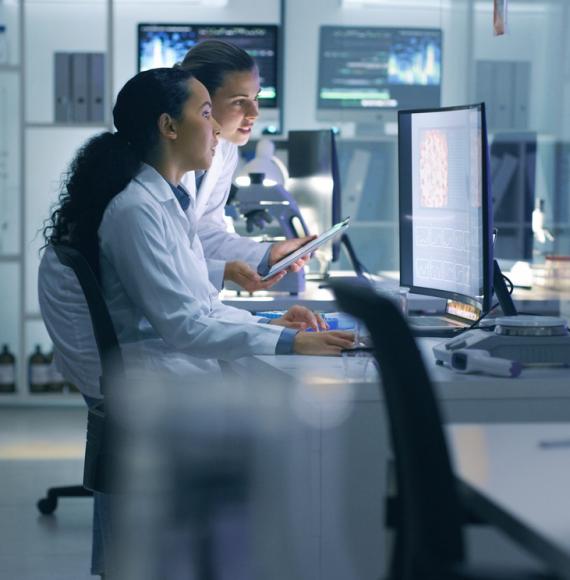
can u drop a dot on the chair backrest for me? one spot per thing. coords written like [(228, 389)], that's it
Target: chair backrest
[(105, 337), (430, 514)]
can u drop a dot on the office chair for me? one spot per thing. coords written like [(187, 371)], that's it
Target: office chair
[(96, 467), (429, 516)]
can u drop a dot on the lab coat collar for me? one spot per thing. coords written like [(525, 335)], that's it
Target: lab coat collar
[(149, 178), (211, 177), (153, 182)]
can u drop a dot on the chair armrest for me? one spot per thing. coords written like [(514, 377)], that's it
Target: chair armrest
[(392, 511)]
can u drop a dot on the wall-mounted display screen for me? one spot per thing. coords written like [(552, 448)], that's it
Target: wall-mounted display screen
[(166, 44), (363, 68)]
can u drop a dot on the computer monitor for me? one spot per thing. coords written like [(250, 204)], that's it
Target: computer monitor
[(445, 204), (160, 45), (513, 178), (312, 154), (365, 71)]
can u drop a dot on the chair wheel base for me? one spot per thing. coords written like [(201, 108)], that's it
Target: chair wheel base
[(47, 505)]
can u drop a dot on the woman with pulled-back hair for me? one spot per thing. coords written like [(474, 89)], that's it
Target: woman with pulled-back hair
[(232, 79), (106, 164)]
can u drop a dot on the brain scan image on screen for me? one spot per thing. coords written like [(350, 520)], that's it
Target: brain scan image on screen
[(434, 169)]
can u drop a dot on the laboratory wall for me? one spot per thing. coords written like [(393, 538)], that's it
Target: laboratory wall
[(36, 146)]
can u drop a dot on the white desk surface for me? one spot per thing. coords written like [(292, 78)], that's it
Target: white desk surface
[(537, 300), (537, 383), (519, 485), (320, 299)]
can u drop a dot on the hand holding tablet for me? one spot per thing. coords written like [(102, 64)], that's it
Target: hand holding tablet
[(308, 248)]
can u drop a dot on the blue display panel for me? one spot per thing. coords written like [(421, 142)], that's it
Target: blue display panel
[(166, 44), (379, 68)]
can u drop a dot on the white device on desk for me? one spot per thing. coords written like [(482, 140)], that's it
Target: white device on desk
[(506, 345)]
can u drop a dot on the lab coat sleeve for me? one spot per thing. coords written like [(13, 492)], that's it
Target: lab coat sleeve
[(225, 312), (217, 241), (138, 252), (286, 342), (216, 269)]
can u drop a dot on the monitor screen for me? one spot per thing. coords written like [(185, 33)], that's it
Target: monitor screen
[(312, 154), (362, 68), (166, 44), (445, 205)]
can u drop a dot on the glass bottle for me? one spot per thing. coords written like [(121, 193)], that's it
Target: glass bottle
[(38, 371), (3, 45), (7, 371)]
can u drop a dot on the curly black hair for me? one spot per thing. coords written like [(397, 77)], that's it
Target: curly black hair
[(106, 163)]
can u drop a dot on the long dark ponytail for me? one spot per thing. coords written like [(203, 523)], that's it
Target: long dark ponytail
[(105, 164)]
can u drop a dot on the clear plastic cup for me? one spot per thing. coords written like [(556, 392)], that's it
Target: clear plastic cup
[(355, 362)]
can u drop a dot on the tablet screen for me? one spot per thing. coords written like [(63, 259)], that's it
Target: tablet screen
[(307, 248)]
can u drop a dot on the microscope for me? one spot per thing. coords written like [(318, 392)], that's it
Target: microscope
[(262, 205)]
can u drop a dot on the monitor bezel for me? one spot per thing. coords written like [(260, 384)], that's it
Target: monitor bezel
[(336, 196), (405, 225), (364, 114), (277, 61)]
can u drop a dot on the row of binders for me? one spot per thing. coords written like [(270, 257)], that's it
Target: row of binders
[(79, 82)]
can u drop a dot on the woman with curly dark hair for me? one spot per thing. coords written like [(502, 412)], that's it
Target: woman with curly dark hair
[(123, 206), (106, 164)]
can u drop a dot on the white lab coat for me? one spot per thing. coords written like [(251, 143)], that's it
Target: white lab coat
[(166, 313), (67, 320), (220, 245)]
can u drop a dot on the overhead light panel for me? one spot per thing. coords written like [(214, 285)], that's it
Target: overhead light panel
[(360, 3), (395, 3), (208, 3)]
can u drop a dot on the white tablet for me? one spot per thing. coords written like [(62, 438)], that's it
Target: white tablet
[(285, 262)]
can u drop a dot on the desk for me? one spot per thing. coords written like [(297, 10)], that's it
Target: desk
[(536, 301), (537, 395), (313, 297), (516, 484), (344, 447), (318, 297)]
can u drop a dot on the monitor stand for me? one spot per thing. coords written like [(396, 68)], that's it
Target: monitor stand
[(358, 267), (500, 288)]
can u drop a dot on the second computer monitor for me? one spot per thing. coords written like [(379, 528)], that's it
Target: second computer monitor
[(166, 44), (365, 70), (445, 204)]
